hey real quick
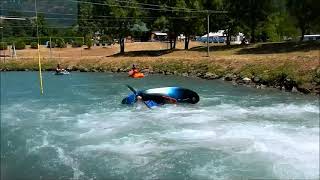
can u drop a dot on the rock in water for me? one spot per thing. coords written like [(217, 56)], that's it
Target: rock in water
[(246, 80)]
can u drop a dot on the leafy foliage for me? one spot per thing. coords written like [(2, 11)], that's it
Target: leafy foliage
[(34, 45), (3, 46), (20, 44)]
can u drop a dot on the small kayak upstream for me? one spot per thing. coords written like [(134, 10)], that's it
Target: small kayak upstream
[(62, 73)]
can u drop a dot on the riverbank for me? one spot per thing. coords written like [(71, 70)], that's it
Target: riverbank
[(260, 66)]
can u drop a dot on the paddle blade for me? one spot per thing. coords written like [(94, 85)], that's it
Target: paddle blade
[(131, 88)]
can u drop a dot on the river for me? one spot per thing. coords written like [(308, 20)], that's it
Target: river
[(79, 130)]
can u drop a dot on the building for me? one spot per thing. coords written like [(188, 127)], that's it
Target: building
[(158, 36), (220, 37)]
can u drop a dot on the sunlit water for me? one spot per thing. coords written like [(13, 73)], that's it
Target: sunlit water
[(79, 130)]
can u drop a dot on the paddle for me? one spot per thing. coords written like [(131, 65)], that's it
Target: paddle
[(135, 93)]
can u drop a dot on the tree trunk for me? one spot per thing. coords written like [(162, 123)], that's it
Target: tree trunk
[(253, 39), (186, 42), (121, 42), (228, 37), (171, 43), (303, 31), (174, 41)]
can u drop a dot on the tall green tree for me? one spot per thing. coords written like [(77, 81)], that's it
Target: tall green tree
[(116, 21), (85, 19), (306, 13), (194, 23), (255, 14)]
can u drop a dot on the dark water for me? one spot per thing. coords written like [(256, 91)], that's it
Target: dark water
[(79, 130)]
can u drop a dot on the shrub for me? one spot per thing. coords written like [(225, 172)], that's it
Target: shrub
[(89, 43), (3, 46), (77, 43), (60, 43), (34, 45), (20, 45)]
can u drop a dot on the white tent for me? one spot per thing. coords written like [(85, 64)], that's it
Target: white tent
[(220, 33)]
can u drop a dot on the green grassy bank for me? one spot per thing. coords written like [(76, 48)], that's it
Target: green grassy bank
[(296, 75)]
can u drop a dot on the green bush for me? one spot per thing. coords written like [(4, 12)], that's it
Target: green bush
[(60, 43), (20, 45), (89, 43), (316, 76), (77, 44), (34, 45), (3, 46)]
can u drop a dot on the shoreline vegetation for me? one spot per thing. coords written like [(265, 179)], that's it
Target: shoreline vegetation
[(293, 67)]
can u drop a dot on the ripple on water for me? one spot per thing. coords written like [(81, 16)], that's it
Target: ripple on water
[(90, 135)]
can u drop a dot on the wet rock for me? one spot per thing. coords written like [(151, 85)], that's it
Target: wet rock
[(228, 77), (145, 70), (210, 75), (256, 79), (235, 83), (84, 70), (69, 68), (185, 74), (199, 75), (283, 88), (246, 80), (168, 73), (75, 68), (294, 89), (26, 69), (307, 91)]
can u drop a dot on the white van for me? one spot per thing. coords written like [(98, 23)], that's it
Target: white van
[(312, 37)]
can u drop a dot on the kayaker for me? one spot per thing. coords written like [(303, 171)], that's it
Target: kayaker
[(133, 71), (59, 69)]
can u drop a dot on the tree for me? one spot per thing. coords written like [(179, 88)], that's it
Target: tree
[(306, 13), (193, 23), (231, 20), (85, 19), (116, 21), (254, 14)]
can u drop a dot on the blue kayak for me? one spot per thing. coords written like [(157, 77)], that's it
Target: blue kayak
[(158, 96)]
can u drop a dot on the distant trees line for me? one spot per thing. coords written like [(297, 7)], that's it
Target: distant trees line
[(259, 20)]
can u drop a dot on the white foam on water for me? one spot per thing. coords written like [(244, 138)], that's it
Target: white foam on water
[(69, 161), (129, 144), (210, 171), (142, 134), (190, 135), (300, 151), (33, 146)]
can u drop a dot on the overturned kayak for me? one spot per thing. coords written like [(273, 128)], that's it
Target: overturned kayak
[(164, 95)]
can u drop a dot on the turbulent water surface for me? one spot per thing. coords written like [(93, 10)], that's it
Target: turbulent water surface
[(79, 130)]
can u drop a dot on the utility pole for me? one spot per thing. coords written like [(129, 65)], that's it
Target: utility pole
[(208, 16), (50, 45)]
